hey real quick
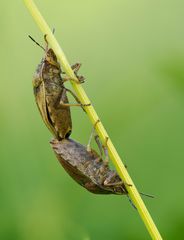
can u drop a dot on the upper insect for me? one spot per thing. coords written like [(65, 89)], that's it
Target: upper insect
[(50, 94)]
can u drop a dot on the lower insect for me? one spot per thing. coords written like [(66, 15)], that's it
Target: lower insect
[(87, 168)]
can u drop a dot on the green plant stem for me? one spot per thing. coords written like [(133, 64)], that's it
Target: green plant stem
[(133, 193)]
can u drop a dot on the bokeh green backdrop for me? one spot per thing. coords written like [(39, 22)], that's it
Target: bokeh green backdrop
[(133, 60)]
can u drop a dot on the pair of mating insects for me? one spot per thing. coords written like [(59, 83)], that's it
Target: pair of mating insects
[(82, 163)]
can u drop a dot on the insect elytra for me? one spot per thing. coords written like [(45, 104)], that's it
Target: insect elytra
[(51, 94)]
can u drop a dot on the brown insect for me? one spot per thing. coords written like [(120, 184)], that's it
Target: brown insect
[(87, 168), (50, 94)]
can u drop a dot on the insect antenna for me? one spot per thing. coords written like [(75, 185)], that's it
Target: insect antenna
[(146, 195), (129, 199), (36, 42), (53, 30), (143, 194)]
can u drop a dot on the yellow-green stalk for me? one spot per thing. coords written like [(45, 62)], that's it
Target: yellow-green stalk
[(133, 193)]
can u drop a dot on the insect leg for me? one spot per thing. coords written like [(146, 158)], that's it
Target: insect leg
[(93, 134), (117, 183), (106, 151), (102, 148), (76, 68), (113, 184), (80, 79), (109, 181), (79, 104), (88, 148), (77, 99), (98, 142), (69, 104)]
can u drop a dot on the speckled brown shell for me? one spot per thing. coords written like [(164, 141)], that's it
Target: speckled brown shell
[(87, 168), (49, 90)]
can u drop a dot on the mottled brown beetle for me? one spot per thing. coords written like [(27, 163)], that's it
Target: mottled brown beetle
[(87, 168), (50, 94)]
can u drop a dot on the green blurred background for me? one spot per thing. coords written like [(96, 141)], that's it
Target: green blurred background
[(133, 60)]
